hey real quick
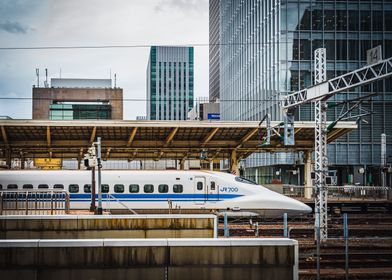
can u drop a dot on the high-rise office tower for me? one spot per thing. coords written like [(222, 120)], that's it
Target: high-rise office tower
[(169, 83), (267, 52), (214, 50)]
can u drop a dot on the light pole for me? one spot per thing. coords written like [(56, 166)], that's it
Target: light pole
[(99, 209)]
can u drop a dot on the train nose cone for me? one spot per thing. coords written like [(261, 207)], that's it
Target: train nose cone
[(302, 207)]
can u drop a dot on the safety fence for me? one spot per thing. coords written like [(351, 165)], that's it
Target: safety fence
[(348, 192), (34, 202)]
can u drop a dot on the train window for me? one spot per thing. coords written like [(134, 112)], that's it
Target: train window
[(43, 186), (27, 186), (73, 188), (104, 188), (148, 188), (58, 186), (212, 185), (246, 181), (87, 188), (118, 188), (178, 188), (163, 188), (12, 186), (199, 186), (133, 188)]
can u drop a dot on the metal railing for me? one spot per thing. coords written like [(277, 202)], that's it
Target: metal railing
[(111, 197), (34, 202), (348, 192)]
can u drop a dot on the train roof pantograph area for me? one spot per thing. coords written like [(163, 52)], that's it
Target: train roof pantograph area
[(137, 140)]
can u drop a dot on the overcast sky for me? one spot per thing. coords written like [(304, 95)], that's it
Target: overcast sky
[(25, 23)]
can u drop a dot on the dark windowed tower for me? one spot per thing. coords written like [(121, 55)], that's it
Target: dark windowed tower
[(169, 83)]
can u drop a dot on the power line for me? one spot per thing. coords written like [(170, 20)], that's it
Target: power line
[(140, 46), (140, 99), (162, 99)]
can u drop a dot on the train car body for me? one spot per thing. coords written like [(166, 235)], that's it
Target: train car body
[(159, 191)]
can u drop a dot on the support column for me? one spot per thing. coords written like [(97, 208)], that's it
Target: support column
[(22, 161), (8, 160), (79, 163), (182, 164), (234, 163), (308, 175), (212, 165)]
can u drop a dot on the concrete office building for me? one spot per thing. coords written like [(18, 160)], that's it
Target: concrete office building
[(267, 52), (78, 99), (169, 83), (204, 111), (214, 51)]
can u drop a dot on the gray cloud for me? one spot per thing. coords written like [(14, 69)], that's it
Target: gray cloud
[(182, 5), (14, 27)]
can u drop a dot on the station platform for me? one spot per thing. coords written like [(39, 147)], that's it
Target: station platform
[(171, 259), (107, 226)]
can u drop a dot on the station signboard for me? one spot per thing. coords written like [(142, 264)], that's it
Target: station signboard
[(213, 116)]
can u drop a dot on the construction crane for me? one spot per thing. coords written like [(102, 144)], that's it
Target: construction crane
[(320, 93)]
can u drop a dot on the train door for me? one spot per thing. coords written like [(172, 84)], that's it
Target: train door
[(200, 189), (212, 190)]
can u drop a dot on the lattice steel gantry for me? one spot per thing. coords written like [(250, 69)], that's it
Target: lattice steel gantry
[(319, 93)]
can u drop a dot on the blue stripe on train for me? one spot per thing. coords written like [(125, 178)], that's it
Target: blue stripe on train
[(159, 196)]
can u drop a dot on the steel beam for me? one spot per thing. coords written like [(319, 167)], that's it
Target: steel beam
[(326, 89), (131, 136), (92, 136), (247, 137), (170, 137), (209, 136)]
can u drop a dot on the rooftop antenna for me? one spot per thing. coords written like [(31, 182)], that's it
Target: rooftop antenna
[(37, 73), (115, 80), (46, 77)]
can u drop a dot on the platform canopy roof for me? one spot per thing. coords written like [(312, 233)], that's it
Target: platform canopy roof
[(151, 139)]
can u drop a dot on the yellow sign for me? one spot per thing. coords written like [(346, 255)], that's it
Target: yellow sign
[(48, 163)]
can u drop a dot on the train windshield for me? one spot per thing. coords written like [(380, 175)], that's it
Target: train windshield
[(245, 181)]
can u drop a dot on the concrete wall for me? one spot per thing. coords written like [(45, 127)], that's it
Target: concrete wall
[(118, 226), (150, 259), (43, 97)]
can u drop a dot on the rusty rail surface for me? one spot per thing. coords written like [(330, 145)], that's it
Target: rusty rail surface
[(348, 192)]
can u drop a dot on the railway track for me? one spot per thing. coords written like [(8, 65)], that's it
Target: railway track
[(370, 244)]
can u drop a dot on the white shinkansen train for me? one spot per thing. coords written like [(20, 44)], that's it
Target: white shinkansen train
[(156, 191)]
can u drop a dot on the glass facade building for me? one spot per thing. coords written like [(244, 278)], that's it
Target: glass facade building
[(267, 52), (80, 112), (170, 83), (214, 51)]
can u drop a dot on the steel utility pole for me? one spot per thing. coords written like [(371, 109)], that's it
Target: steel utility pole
[(99, 210), (320, 92), (321, 156)]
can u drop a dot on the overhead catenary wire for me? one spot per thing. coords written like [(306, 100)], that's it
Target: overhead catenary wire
[(166, 99), (60, 47)]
